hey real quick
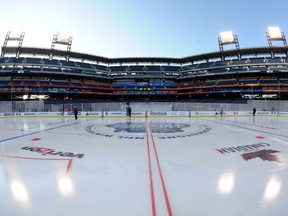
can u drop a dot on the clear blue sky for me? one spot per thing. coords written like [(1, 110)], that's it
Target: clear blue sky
[(147, 28)]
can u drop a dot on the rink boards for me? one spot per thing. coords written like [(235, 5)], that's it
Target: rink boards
[(140, 114)]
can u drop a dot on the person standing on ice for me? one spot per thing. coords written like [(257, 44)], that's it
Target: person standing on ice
[(129, 110), (127, 106), (254, 111), (76, 113), (221, 111)]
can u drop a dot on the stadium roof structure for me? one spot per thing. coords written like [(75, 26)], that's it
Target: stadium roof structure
[(238, 53)]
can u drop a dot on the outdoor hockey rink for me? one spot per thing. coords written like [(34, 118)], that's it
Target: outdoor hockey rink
[(230, 166)]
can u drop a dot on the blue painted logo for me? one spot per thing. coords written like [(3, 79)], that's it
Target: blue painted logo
[(139, 127)]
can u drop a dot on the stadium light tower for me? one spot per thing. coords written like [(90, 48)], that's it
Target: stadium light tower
[(227, 38), (275, 34), (61, 39), (13, 36)]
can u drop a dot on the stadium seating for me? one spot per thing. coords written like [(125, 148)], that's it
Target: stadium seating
[(213, 74), (136, 68), (232, 82)]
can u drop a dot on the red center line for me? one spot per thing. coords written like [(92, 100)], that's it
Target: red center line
[(161, 176), (150, 174)]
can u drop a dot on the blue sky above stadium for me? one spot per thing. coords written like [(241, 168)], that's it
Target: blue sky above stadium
[(150, 28)]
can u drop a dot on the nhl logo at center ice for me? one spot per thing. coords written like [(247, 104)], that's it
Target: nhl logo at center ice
[(137, 130), (139, 127)]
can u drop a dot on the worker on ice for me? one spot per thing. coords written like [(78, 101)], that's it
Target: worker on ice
[(76, 113)]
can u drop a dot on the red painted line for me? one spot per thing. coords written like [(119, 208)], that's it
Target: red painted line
[(36, 139), (51, 159), (161, 176), (28, 158), (150, 174), (69, 166)]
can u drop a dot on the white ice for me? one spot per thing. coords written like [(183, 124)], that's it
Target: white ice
[(141, 167)]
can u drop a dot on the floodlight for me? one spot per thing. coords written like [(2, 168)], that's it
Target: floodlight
[(14, 35), (63, 38), (227, 37), (275, 33)]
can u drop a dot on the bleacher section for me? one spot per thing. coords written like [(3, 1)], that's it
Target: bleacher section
[(229, 82), (207, 77)]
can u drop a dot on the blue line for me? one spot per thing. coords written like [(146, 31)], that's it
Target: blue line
[(36, 132), (251, 129)]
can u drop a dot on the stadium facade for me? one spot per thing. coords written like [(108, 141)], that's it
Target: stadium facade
[(54, 74)]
